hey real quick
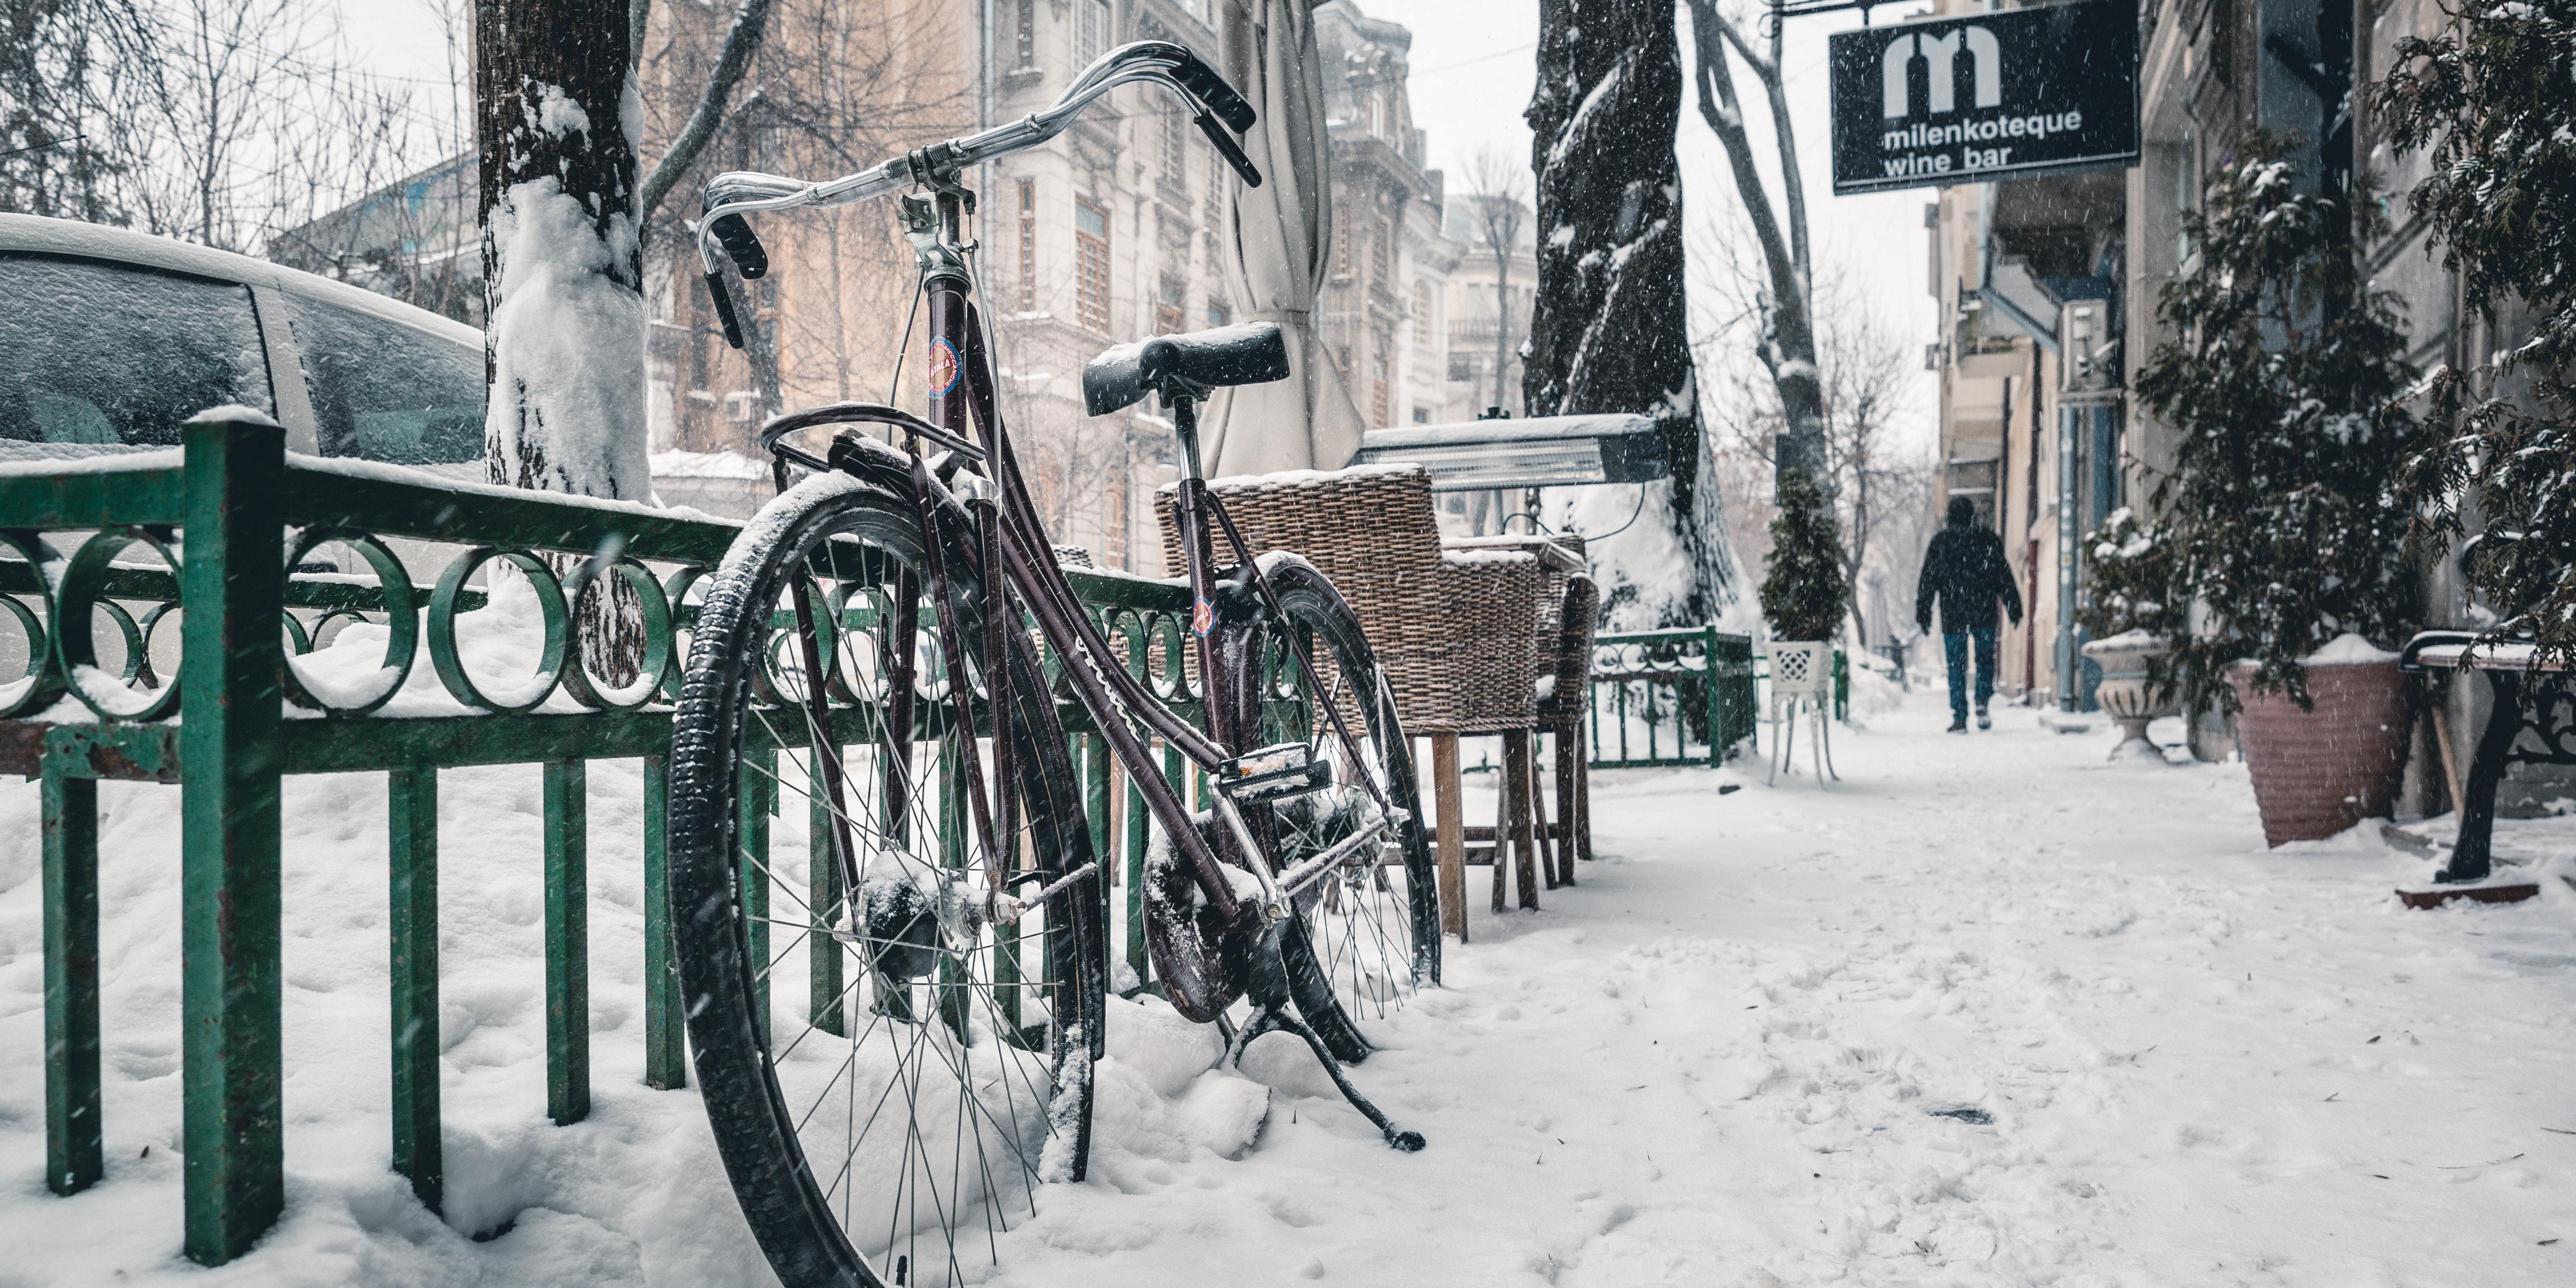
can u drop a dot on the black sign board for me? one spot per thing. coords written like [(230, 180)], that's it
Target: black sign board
[(2001, 95)]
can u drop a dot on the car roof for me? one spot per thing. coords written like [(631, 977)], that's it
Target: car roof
[(70, 237)]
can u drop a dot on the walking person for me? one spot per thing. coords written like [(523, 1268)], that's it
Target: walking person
[(1964, 570)]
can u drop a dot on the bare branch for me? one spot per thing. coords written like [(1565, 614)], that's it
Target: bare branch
[(740, 44)]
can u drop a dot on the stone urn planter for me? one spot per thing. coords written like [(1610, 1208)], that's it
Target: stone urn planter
[(2125, 693), (2319, 771)]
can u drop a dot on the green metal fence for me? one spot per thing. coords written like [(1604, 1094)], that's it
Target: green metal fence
[(247, 518), (1681, 696)]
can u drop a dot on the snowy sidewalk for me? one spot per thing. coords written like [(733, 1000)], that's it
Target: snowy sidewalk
[(1719, 1061)]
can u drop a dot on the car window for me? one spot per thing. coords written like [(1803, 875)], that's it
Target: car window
[(385, 391), (108, 354)]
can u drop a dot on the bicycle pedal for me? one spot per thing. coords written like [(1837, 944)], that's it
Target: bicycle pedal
[(1273, 773)]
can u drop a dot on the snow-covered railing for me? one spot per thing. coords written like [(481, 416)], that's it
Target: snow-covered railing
[(284, 661), (1680, 696)]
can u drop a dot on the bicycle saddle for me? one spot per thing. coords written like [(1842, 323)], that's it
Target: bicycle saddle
[(1252, 353)]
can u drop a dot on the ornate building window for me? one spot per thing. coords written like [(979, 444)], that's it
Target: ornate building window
[(1422, 312), (1027, 35), (1090, 31), (1168, 317), (1091, 266)]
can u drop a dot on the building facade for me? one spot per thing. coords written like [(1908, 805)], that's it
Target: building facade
[(2049, 288)]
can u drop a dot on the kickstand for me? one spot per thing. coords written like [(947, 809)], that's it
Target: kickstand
[(1266, 1019)]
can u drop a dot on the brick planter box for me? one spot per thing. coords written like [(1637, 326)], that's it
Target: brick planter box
[(2319, 771)]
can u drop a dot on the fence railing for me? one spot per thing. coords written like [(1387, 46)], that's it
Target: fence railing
[(1681, 696), (249, 711)]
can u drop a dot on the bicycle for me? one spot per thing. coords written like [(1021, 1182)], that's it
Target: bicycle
[(955, 992)]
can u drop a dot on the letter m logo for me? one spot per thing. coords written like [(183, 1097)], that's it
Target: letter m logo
[(1940, 54)]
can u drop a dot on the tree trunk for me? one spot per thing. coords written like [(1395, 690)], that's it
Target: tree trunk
[(1610, 332), (562, 266)]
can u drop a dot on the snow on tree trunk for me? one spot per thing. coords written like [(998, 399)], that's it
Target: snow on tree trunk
[(1610, 329), (562, 265)]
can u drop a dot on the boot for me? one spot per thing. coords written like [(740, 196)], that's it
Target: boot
[(1959, 724), (1984, 721)]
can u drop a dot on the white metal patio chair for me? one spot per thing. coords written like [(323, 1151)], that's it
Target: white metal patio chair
[(1802, 685)]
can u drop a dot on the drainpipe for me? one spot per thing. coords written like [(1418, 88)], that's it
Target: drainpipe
[(2068, 689)]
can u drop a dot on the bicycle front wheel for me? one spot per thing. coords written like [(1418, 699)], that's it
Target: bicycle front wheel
[(893, 1060)]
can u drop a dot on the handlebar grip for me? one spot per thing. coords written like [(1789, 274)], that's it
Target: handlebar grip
[(734, 233), (724, 307), (1229, 149), (1202, 81)]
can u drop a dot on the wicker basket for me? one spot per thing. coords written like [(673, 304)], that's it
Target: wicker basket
[(1492, 625), (1371, 530)]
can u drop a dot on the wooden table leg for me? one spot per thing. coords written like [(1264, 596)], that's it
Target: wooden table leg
[(1516, 806), (1547, 841), (1451, 832), (1567, 809)]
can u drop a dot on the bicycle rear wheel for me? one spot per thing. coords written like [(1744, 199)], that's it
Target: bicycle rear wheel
[(1368, 931), (891, 1065)]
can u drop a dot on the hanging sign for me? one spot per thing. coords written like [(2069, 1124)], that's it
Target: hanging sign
[(2002, 95)]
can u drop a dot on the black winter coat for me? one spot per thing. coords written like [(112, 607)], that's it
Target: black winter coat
[(1964, 569)]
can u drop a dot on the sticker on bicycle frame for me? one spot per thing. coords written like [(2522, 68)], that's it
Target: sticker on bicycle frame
[(943, 367), (1202, 618)]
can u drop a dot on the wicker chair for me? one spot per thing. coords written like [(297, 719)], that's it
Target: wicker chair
[(1453, 628)]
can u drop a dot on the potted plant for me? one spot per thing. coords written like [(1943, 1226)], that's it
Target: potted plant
[(2131, 621), (2280, 382), (1805, 592)]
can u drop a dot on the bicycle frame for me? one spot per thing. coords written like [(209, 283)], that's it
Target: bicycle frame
[(1011, 543)]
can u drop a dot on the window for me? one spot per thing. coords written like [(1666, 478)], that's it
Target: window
[(1378, 382), (1462, 366), (1176, 147), (1422, 312), (1341, 241), (1091, 266), (1028, 34), (108, 355), (1421, 414), (1028, 242), (1216, 315), (386, 391), (1167, 305), (1381, 249), (1090, 31), (1115, 523)]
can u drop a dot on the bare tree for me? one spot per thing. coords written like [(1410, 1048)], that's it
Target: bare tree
[(1785, 341), (1498, 193), (69, 70), (1871, 452)]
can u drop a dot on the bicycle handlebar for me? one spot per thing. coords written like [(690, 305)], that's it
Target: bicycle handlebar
[(1215, 105)]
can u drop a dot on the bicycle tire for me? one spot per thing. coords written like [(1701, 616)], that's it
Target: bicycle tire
[(740, 1049)]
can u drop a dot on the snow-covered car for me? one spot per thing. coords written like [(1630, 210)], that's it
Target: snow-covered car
[(110, 338)]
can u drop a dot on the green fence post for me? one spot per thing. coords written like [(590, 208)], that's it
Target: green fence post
[(1139, 830), (73, 1159), (666, 1057), (1716, 692), (759, 800), (412, 925), (825, 1006), (231, 590), (567, 823)]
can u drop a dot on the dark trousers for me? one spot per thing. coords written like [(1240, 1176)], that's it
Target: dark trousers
[(1954, 649)]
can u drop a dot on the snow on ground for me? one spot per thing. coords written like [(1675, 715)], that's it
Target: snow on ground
[(2176, 1058)]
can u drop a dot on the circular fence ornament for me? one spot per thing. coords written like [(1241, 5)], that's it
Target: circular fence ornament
[(442, 632), (305, 685), (79, 596)]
